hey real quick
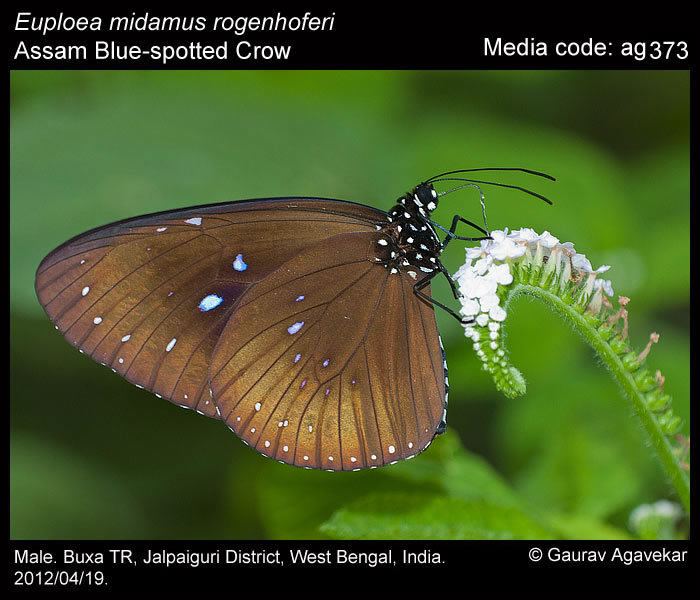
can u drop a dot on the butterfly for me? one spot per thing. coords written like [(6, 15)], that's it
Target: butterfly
[(305, 324)]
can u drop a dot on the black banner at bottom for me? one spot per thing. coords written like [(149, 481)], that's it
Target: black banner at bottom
[(124, 564)]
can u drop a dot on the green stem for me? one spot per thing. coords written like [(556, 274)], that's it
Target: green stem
[(624, 378)]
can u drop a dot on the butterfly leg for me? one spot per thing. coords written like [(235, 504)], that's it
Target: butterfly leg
[(417, 290), (451, 235), (453, 286)]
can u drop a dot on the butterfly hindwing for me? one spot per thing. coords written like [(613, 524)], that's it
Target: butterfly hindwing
[(331, 361)]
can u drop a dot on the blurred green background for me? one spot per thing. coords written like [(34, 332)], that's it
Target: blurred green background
[(94, 457)]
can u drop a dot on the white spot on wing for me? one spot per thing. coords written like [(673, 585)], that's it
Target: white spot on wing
[(239, 264), (171, 345), (194, 221), (210, 302)]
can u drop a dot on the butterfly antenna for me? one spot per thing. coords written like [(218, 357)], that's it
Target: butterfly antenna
[(503, 185), (482, 200), (519, 169)]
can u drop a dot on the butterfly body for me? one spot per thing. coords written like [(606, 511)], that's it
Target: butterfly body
[(413, 245)]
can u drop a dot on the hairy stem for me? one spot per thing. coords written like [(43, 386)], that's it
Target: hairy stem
[(622, 375)]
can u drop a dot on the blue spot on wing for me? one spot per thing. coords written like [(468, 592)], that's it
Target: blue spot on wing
[(210, 302), (292, 329), (239, 264)]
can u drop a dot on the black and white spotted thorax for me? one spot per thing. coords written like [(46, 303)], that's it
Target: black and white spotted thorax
[(410, 243)]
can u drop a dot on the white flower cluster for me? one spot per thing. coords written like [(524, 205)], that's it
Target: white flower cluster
[(493, 265)]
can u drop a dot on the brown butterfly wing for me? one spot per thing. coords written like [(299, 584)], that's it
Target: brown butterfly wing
[(129, 294), (331, 362)]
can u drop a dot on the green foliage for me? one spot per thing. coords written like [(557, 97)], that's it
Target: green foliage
[(444, 493), (423, 517), (604, 328), (53, 490), (579, 475), (567, 460), (294, 502), (456, 473)]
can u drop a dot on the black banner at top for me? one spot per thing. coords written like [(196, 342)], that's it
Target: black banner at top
[(254, 36)]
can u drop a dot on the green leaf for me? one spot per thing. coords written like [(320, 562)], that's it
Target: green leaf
[(295, 502), (457, 472), (422, 516)]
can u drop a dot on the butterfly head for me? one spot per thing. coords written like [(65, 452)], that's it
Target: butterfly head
[(424, 196)]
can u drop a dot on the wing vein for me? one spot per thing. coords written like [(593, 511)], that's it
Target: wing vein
[(149, 261), (410, 366), (140, 302), (326, 304), (287, 317)]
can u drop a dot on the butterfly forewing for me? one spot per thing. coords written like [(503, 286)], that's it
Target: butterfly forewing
[(326, 363), (150, 296)]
